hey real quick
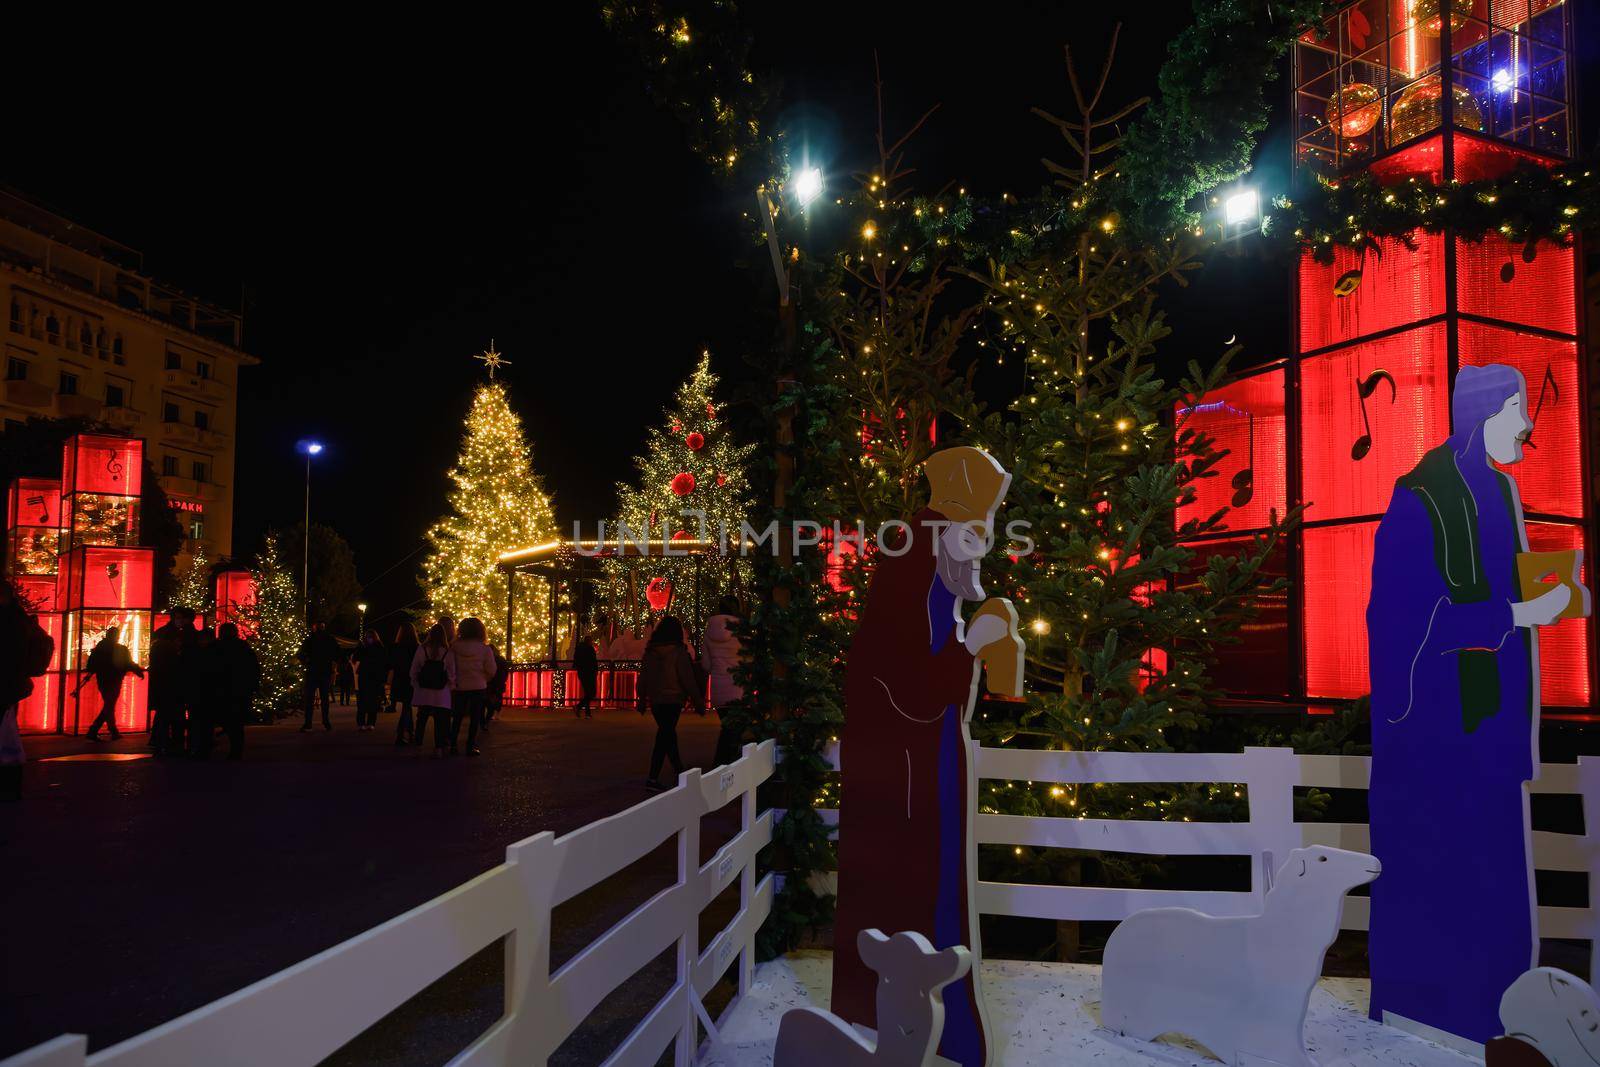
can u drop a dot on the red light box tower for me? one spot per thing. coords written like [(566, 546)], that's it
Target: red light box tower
[(104, 579), (1370, 90), (33, 543)]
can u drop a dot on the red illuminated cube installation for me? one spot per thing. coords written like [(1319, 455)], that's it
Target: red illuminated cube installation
[(1370, 95)]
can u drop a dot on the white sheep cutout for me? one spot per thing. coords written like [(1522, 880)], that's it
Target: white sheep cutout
[(1239, 986), (910, 998)]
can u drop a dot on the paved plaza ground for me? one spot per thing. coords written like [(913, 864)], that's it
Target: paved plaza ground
[(138, 889)]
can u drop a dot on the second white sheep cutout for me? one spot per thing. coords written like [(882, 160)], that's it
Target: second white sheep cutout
[(1237, 985)]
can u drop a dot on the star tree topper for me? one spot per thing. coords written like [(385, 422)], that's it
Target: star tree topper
[(492, 359)]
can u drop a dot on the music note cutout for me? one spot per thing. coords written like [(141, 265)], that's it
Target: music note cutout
[(1365, 387), (1547, 382), (113, 468), (38, 501), (1244, 482)]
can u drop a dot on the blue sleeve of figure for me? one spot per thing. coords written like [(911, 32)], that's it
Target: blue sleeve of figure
[(1411, 612)]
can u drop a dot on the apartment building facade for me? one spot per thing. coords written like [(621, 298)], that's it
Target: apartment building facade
[(89, 334)]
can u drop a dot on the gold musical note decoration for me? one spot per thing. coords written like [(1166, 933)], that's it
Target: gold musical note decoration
[(1365, 387)]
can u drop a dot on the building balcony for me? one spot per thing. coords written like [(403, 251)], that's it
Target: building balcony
[(78, 406), (188, 488), (194, 385), (211, 438), (122, 418), (28, 394)]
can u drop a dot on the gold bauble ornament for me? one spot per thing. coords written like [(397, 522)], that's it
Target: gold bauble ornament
[(1354, 109), (1425, 13), (1417, 110)]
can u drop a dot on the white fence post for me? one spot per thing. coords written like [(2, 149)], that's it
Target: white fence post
[(528, 953), (1273, 774), (689, 936), (1589, 790)]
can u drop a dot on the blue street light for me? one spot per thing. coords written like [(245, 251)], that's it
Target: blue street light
[(310, 448)]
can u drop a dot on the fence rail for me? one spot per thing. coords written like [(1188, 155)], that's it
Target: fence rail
[(1270, 776), (305, 1013)]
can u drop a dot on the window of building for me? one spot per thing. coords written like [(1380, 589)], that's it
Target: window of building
[(198, 469), (33, 322), (174, 361), (169, 466), (116, 345), (69, 384), (16, 369), (100, 340), (16, 316), (197, 528), (114, 395), (169, 412), (202, 421), (202, 368), (86, 337), (52, 328)]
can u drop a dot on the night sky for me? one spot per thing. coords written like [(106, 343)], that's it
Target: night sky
[(387, 200)]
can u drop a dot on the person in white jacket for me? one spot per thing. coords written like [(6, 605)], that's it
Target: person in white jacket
[(720, 653), (473, 668), (430, 666)]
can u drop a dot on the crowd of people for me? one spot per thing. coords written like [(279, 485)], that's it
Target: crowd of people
[(452, 676), (200, 683)]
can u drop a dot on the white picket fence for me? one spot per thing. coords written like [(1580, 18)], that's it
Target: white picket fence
[(1270, 776), (305, 1013)]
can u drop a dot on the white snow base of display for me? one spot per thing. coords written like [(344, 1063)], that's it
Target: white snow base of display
[(1049, 1013)]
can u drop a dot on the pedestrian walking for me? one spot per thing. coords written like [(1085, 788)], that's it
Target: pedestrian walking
[(495, 698), (372, 667), (170, 647), (317, 653), (26, 652), (239, 674), (474, 666), (108, 664), (667, 681), (720, 654), (431, 679), (345, 678), (586, 664), (401, 654), (202, 679)]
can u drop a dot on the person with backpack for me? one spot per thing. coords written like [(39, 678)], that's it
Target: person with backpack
[(668, 680), (108, 664), (431, 681), (25, 654), (473, 667)]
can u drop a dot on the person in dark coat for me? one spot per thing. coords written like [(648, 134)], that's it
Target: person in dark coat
[(25, 653), (203, 693), (109, 663), (239, 673), (586, 664), (372, 668), (401, 653), (345, 678), (318, 652), (169, 647)]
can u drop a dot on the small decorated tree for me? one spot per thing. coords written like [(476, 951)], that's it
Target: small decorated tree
[(274, 621), (193, 584), (692, 463), (497, 503)]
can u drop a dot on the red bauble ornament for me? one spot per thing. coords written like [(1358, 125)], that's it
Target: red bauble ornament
[(695, 441), (682, 484), (722, 479), (658, 594), (681, 535), (711, 412), (677, 427)]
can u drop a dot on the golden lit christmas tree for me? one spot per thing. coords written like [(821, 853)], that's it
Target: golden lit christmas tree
[(274, 623), (497, 503), (193, 583)]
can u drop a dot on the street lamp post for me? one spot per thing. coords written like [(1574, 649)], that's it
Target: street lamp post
[(310, 448), (363, 609)]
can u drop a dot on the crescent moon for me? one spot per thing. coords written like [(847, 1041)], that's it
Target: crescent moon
[(1231, 339)]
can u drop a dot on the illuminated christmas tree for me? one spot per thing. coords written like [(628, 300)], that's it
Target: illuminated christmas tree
[(193, 583), (497, 503), (275, 625), (692, 463)]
